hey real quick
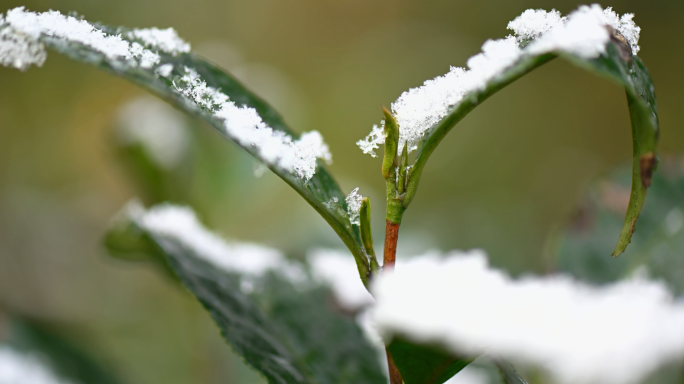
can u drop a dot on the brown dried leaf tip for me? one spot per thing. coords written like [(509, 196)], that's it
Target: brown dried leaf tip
[(647, 164), (622, 44)]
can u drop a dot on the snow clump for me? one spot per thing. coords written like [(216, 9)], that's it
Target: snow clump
[(614, 334)]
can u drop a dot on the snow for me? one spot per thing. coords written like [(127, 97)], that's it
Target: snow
[(614, 334), (20, 51), (245, 126), (469, 375), (583, 33), (181, 224), (354, 206), (373, 140), (533, 23), (155, 125), (337, 269), (22, 368), (164, 70), (165, 39)]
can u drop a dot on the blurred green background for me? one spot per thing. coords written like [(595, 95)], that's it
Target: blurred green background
[(501, 180)]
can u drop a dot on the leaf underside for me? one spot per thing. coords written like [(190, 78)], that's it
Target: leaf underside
[(285, 331)]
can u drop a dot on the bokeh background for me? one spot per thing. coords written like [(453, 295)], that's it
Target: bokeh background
[(502, 180)]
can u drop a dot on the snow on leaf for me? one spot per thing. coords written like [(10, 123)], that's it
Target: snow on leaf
[(614, 334), (20, 46), (19, 50), (354, 206), (583, 33), (181, 224), (165, 39), (246, 126)]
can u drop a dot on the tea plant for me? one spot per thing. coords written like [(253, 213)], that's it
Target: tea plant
[(433, 316)]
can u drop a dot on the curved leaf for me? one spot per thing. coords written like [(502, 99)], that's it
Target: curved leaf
[(168, 73), (623, 69), (280, 323)]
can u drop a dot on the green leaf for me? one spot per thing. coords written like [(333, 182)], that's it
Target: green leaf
[(630, 74), (423, 364), (64, 359), (321, 191), (287, 331), (582, 247)]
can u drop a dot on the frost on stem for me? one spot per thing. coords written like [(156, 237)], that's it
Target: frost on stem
[(157, 127), (22, 38), (354, 206), (582, 33), (180, 224), (614, 334), (20, 367)]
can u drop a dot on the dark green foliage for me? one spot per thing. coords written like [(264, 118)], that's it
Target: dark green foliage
[(287, 331), (425, 364)]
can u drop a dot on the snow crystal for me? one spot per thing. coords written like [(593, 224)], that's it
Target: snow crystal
[(583, 33), (337, 269), (181, 224), (159, 128), (615, 334), (20, 51), (332, 203), (373, 140), (354, 206), (165, 39), (21, 368), (533, 23), (164, 70)]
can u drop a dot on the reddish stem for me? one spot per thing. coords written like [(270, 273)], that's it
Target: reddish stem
[(391, 237), (389, 257)]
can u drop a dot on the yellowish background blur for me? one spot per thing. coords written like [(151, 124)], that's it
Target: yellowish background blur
[(501, 180)]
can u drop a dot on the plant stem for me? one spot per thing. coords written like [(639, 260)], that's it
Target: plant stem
[(393, 170), (394, 374), (391, 237), (395, 210)]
